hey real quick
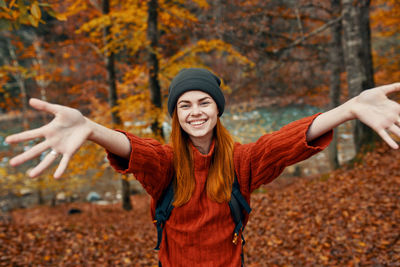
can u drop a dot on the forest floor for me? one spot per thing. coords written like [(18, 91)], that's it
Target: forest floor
[(343, 218)]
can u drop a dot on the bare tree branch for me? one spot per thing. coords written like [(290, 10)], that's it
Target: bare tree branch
[(308, 35)]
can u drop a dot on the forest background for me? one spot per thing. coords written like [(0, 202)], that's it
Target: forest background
[(113, 60)]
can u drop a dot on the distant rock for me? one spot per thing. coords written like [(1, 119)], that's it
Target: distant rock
[(93, 197)]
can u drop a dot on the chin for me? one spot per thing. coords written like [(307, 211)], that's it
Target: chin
[(199, 134)]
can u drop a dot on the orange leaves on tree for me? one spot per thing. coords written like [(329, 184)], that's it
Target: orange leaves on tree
[(385, 24)]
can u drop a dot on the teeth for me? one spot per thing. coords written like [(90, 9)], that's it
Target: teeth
[(196, 122)]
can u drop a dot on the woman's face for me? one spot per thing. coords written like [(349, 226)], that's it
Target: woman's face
[(197, 114)]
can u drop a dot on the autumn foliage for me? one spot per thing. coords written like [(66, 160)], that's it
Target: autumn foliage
[(344, 218), (264, 51)]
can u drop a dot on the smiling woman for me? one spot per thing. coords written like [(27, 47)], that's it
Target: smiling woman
[(197, 113), (206, 169)]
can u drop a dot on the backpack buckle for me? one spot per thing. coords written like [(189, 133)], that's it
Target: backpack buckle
[(235, 239)]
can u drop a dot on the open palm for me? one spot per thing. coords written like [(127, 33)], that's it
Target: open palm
[(374, 109), (65, 134)]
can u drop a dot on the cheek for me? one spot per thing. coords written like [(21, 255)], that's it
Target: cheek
[(181, 116), (214, 122)]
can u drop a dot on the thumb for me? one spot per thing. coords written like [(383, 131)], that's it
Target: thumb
[(43, 105), (391, 88)]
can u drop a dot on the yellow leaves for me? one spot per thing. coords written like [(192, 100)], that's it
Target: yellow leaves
[(75, 7), (3, 172), (58, 16), (174, 16), (35, 11), (207, 46), (127, 28), (21, 12)]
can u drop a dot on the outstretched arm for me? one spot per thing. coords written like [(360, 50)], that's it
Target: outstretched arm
[(65, 134), (372, 107)]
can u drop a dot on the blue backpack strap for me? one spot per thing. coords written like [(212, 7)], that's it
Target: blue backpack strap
[(163, 211), (237, 204)]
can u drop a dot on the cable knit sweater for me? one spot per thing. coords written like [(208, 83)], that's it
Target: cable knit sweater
[(199, 233)]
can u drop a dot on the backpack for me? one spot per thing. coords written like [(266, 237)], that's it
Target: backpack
[(237, 203)]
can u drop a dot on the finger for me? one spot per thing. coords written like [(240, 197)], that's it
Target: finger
[(385, 136), (390, 88), (62, 166), (395, 130), (44, 164), (30, 153), (25, 136), (43, 105)]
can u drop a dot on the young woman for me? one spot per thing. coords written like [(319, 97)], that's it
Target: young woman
[(202, 159)]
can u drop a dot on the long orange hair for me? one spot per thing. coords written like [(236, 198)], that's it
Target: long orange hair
[(221, 173)]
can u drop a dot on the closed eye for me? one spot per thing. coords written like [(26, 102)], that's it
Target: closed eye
[(184, 105)]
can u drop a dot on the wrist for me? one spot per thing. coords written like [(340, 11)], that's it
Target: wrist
[(349, 109), (92, 126)]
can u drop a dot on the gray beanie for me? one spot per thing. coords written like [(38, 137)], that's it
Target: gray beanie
[(195, 79)]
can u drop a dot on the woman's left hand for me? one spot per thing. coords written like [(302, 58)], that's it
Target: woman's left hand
[(375, 109), (372, 107)]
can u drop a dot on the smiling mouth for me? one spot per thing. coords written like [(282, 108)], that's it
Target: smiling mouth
[(197, 122)]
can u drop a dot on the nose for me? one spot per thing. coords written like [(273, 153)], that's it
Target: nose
[(195, 110)]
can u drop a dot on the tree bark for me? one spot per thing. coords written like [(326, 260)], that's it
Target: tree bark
[(21, 84), (155, 90), (43, 96), (113, 99), (358, 61), (336, 60)]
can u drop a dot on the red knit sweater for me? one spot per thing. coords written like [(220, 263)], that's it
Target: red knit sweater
[(200, 232)]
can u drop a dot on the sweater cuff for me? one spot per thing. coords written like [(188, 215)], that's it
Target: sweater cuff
[(321, 142), (120, 164)]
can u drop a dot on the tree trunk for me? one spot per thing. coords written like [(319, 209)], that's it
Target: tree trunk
[(155, 90), (42, 83), (112, 101), (21, 84), (358, 61), (336, 60)]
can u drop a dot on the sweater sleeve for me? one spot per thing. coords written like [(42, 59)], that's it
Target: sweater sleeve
[(150, 162), (261, 162)]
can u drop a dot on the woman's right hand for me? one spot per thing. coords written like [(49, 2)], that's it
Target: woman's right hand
[(65, 134)]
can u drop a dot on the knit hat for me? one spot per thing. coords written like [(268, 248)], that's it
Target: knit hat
[(195, 79)]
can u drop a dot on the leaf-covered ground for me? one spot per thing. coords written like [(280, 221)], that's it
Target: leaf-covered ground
[(345, 218)]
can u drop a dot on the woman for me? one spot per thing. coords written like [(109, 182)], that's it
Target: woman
[(203, 160)]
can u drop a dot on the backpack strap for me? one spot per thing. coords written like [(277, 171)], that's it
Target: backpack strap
[(237, 204), (163, 211)]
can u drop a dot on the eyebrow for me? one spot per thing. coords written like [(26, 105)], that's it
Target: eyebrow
[(201, 99)]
